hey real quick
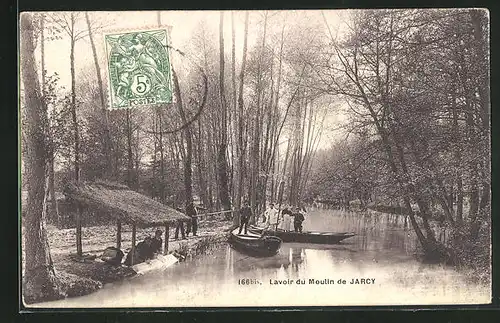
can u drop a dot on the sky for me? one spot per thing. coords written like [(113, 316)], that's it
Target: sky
[(182, 25)]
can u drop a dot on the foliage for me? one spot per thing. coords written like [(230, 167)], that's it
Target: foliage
[(406, 76), (410, 87)]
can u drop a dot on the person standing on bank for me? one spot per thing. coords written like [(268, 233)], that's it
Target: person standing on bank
[(298, 218), (191, 212), (272, 216), (179, 226), (245, 214)]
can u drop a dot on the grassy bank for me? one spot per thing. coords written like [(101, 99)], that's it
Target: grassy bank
[(467, 253)]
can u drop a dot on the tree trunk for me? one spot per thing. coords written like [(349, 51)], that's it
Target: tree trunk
[(40, 281), (108, 144), (54, 205), (479, 19), (392, 163), (42, 54), (201, 167), (76, 134), (241, 148), (276, 132), (255, 157), (233, 121), (399, 176), (130, 160), (162, 157), (137, 160), (188, 173), (481, 44), (224, 195), (158, 115), (281, 185), (422, 203), (235, 144), (73, 110), (54, 208), (154, 181), (474, 174), (210, 174), (298, 139), (457, 154)]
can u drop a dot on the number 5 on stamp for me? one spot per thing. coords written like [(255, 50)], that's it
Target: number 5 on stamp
[(138, 68)]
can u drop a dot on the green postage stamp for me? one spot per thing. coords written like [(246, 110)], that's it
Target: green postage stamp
[(138, 67)]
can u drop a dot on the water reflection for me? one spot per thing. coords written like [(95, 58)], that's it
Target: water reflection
[(383, 249), (296, 258)]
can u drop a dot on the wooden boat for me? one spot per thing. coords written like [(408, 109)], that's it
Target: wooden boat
[(303, 237), (255, 244)]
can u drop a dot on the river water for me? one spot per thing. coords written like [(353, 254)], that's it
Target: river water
[(378, 266)]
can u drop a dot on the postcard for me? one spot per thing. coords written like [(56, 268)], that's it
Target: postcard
[(190, 159)]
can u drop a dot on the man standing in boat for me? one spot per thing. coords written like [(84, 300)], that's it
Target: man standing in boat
[(298, 218), (245, 214), (272, 216)]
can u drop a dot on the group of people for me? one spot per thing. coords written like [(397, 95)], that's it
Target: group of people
[(274, 218), (277, 219), (150, 246), (192, 225), (146, 249)]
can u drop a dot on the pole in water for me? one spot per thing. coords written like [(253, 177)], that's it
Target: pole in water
[(167, 232), (118, 234), (133, 245)]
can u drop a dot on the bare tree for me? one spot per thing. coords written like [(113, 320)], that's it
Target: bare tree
[(240, 118), (222, 149), (108, 144), (234, 124), (159, 140), (40, 281), (67, 22), (255, 154), (188, 157), (54, 209)]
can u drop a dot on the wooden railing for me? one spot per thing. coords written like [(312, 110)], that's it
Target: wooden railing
[(204, 216)]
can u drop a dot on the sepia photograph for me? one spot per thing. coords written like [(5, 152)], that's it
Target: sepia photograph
[(271, 158)]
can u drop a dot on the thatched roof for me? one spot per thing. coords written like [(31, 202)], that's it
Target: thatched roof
[(123, 203)]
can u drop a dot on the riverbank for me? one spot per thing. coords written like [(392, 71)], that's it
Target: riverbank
[(81, 276), (381, 251)]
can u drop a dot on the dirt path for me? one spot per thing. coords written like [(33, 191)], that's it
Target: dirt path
[(97, 238)]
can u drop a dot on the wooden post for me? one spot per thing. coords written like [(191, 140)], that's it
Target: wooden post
[(79, 212), (118, 234), (167, 233), (133, 244)]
